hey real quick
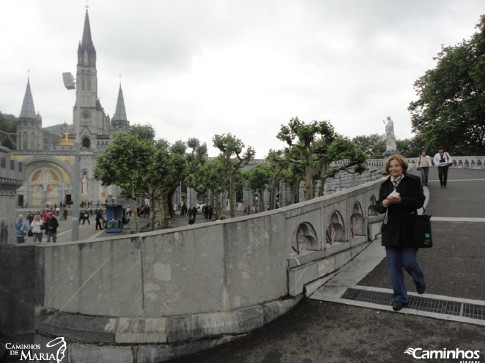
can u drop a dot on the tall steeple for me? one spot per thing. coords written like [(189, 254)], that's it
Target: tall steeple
[(86, 52), (88, 112), (119, 119), (28, 109), (29, 130)]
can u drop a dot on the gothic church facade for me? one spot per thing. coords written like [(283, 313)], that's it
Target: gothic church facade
[(49, 169)]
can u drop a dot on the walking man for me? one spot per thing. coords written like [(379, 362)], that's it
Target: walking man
[(51, 227), (443, 161)]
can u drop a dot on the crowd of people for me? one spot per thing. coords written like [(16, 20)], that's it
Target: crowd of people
[(38, 223)]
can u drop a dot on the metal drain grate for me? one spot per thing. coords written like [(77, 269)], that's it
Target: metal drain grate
[(419, 303), (474, 311)]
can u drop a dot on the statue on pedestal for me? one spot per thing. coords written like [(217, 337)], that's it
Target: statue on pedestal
[(391, 147)]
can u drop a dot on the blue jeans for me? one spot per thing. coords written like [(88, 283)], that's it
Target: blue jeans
[(399, 258), (424, 175)]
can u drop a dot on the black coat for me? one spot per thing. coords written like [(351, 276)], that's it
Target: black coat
[(398, 230)]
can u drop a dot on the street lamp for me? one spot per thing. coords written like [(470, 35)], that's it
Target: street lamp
[(70, 83)]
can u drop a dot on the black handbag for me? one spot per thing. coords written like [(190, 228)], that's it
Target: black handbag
[(422, 231), (30, 233)]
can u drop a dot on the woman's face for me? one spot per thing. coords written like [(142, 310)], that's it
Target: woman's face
[(395, 168)]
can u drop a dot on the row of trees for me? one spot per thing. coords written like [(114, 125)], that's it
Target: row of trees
[(145, 167)]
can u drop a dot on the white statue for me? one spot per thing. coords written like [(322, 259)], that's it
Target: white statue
[(390, 138)]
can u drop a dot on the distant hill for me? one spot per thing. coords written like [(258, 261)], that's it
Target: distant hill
[(8, 124), (54, 133)]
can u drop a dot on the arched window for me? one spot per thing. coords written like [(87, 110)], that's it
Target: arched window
[(86, 143)]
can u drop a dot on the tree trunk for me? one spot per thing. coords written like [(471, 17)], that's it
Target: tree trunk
[(216, 210), (232, 195), (309, 190), (261, 207), (323, 179), (133, 199), (272, 195)]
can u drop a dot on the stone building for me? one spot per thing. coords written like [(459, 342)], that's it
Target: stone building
[(49, 168), (11, 176)]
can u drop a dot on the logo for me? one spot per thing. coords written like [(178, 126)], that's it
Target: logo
[(464, 356), (61, 350), (54, 351)]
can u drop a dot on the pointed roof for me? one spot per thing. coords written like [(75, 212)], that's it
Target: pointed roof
[(86, 45), (87, 41), (28, 109), (120, 113)]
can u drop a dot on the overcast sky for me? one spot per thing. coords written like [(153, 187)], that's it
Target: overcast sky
[(196, 68)]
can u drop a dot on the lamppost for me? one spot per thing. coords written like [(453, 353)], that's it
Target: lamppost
[(69, 83)]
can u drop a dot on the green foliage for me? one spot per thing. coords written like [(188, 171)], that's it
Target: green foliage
[(450, 110), (125, 162), (373, 145), (258, 177), (9, 144), (8, 123), (145, 167), (144, 132), (233, 158), (312, 148)]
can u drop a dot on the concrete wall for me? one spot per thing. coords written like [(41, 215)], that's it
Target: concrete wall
[(11, 178), (193, 286)]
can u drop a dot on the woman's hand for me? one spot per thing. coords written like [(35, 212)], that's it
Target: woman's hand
[(391, 200)]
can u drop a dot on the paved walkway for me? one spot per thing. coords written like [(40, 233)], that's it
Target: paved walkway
[(327, 328)]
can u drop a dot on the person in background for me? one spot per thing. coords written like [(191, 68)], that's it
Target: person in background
[(443, 161), (424, 163), (21, 229), (51, 227), (36, 226), (400, 196), (99, 219)]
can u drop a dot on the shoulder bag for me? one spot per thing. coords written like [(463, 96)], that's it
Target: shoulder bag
[(422, 231)]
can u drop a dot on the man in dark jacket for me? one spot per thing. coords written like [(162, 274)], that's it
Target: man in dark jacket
[(400, 196), (51, 227)]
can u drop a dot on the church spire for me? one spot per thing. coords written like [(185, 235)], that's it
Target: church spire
[(120, 113), (29, 129), (119, 119), (86, 51), (28, 109)]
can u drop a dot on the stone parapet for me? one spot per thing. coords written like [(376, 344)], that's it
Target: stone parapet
[(191, 287)]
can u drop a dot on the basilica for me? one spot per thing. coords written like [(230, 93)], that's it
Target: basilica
[(49, 167)]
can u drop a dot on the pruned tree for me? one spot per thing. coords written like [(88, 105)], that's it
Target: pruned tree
[(258, 179), (124, 163), (314, 147), (233, 158), (171, 165)]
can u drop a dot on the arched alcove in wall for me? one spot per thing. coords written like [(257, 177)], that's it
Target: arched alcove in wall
[(371, 211), (305, 238), (357, 221), (335, 231)]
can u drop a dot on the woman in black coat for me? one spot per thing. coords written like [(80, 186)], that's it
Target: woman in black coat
[(400, 196)]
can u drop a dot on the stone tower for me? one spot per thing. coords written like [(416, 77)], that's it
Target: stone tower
[(119, 120), (29, 130), (88, 112)]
